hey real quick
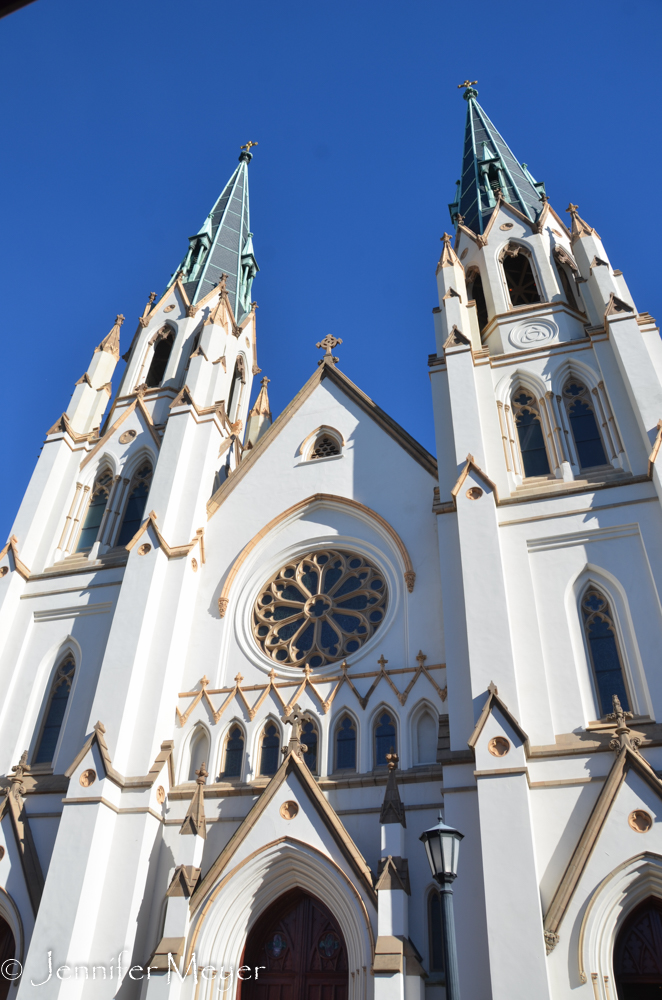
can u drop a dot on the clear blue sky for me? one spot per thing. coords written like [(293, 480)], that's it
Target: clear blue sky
[(122, 121)]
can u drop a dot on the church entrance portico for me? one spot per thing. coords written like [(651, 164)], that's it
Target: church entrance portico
[(300, 952)]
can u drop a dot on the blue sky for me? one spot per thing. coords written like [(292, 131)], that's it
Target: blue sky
[(121, 123)]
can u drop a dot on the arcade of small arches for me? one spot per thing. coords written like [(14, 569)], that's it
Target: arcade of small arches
[(235, 759)]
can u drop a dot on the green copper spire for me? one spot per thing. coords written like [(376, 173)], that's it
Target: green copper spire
[(489, 168), (224, 245)]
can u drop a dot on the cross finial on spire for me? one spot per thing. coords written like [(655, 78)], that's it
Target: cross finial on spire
[(329, 343), (265, 381), (295, 718), (246, 154), (469, 91), (247, 146)]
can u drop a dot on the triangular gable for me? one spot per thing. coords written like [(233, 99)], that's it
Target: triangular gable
[(12, 546), (507, 207), (138, 405), (143, 781), (494, 701), (291, 765), (325, 371), (171, 551), (471, 466), (627, 759), (617, 306)]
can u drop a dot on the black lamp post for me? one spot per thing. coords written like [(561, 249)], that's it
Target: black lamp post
[(442, 845)]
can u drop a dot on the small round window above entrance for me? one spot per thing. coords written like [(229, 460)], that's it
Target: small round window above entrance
[(320, 608)]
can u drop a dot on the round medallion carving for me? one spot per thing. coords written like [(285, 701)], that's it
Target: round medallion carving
[(475, 493), (506, 225), (320, 608), (533, 334), (160, 794), (640, 820), (289, 810), (498, 746), (88, 777), (127, 436), (4, 570), (144, 549), (168, 309)]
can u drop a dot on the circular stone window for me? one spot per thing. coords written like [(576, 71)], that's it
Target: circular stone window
[(320, 608)]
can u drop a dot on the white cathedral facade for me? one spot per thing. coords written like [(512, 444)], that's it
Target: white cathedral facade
[(246, 663)]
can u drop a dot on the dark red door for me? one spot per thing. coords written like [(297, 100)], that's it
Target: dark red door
[(638, 953), (7, 950), (301, 949)]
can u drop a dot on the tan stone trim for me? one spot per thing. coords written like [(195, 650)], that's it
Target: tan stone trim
[(136, 404), (393, 429), (617, 306), (291, 764), (20, 567), (62, 426), (171, 551), (625, 760), (471, 464), (493, 700), (163, 757), (651, 458), (14, 805), (409, 574)]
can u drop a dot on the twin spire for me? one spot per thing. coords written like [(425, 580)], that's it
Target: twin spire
[(224, 245), (489, 169)]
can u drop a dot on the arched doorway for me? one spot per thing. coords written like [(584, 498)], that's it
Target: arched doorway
[(638, 953), (302, 951), (7, 950)]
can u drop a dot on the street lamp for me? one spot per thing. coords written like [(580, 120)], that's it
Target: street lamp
[(442, 845)]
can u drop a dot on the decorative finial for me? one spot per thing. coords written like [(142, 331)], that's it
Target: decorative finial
[(622, 738), (119, 319), (264, 382), (152, 296), (202, 774), (572, 208), (469, 89), (329, 343), (392, 759), (248, 145), (246, 152), (295, 718)]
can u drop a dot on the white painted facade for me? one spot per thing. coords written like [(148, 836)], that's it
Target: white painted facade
[(485, 570)]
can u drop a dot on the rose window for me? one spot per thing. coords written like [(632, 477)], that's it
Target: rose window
[(320, 608)]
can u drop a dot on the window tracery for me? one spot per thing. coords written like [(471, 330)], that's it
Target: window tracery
[(604, 651), (269, 750), (57, 706), (234, 753), (95, 511), (320, 608), (345, 745), (584, 426), (518, 271), (530, 433), (325, 446), (385, 738), (135, 505)]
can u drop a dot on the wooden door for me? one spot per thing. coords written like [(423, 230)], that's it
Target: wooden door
[(7, 951), (301, 949), (638, 953)]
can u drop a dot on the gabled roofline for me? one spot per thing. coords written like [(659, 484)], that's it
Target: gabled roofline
[(20, 567), (390, 426), (290, 765), (144, 781), (494, 701), (137, 404), (471, 464)]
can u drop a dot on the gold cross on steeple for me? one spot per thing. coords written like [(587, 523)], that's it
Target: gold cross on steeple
[(467, 83), (248, 145)]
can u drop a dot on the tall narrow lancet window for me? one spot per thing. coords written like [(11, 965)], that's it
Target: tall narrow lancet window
[(269, 750), (309, 739), (95, 511), (530, 433), (234, 753), (135, 505), (520, 278), (57, 706), (237, 386), (475, 293), (584, 426), (426, 739), (198, 752), (604, 652), (160, 357), (435, 938), (346, 745), (385, 738)]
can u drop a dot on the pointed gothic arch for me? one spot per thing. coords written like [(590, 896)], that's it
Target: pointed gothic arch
[(55, 706), (346, 742), (567, 271), (237, 388), (233, 751), (604, 649), (267, 754), (197, 751), (583, 422), (523, 285), (529, 419), (162, 344), (135, 502), (476, 293), (423, 733), (96, 508), (385, 734)]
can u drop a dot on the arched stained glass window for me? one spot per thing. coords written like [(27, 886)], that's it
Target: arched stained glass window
[(234, 753), (135, 506), (160, 358), (530, 434), (309, 738), (199, 752), (346, 745), (269, 750), (605, 655), (385, 738), (435, 932), (588, 441), (57, 706), (95, 511)]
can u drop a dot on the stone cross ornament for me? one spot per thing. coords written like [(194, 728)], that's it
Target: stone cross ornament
[(329, 343), (295, 718)]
